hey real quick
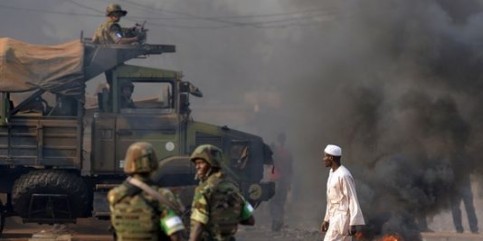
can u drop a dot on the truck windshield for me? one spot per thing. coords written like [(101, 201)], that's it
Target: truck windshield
[(147, 96)]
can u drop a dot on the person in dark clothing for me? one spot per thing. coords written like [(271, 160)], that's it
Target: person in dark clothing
[(127, 88), (282, 176), (463, 194)]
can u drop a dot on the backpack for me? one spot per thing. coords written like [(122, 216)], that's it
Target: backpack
[(225, 207)]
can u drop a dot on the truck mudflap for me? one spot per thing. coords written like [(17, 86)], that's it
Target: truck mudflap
[(259, 192), (49, 209)]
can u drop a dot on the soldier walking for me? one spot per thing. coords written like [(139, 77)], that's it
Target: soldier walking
[(140, 210), (218, 205)]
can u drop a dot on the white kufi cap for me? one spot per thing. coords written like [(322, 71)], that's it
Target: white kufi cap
[(333, 150)]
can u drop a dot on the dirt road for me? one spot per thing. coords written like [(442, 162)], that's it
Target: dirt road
[(96, 230)]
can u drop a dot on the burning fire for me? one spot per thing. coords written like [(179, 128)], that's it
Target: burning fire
[(362, 236), (391, 237), (359, 236)]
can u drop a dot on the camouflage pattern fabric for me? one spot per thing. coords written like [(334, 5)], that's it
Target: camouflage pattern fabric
[(108, 32), (219, 205), (142, 217)]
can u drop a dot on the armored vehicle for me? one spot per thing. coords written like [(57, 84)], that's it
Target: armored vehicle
[(58, 160)]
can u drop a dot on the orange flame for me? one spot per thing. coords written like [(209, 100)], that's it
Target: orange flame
[(359, 236), (391, 237)]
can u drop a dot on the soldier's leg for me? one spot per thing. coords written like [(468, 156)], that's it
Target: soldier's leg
[(283, 199), (276, 208)]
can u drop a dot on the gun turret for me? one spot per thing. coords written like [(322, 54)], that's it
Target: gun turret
[(100, 58)]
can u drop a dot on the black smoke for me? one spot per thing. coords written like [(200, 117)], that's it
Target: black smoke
[(399, 86)]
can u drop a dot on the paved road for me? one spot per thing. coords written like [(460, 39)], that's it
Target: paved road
[(96, 230)]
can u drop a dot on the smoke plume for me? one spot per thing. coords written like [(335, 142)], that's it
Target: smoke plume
[(398, 87)]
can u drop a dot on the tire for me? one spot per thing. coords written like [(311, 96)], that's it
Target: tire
[(51, 182)]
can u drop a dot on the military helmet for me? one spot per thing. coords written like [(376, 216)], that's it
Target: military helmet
[(209, 153), (113, 8), (140, 158)]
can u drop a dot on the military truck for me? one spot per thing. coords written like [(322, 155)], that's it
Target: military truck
[(58, 160)]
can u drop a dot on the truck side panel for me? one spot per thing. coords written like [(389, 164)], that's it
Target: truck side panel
[(112, 135), (41, 142)]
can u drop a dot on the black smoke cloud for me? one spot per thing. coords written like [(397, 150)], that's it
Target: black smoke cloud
[(397, 85)]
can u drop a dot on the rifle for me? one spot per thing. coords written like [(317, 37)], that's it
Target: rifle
[(137, 30)]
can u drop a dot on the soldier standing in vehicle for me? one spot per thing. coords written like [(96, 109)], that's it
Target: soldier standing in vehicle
[(218, 205), (110, 32), (140, 210), (127, 88)]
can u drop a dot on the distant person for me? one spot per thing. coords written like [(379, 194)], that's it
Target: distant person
[(463, 193), (282, 176), (218, 206), (110, 32), (141, 210), (343, 212), (127, 89)]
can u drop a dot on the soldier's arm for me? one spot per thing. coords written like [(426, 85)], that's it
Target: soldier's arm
[(170, 221), (199, 216), (117, 34), (196, 231), (116, 194), (128, 40), (173, 199)]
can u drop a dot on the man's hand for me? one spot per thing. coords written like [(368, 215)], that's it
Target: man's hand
[(324, 226), (141, 36), (352, 230)]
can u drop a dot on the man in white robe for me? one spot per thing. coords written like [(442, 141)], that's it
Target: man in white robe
[(343, 212)]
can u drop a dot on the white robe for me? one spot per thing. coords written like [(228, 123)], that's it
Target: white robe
[(343, 208)]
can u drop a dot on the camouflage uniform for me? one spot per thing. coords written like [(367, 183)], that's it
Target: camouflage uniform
[(137, 215), (109, 32), (142, 217), (218, 203)]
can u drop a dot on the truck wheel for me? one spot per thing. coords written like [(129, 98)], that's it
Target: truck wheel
[(51, 182)]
